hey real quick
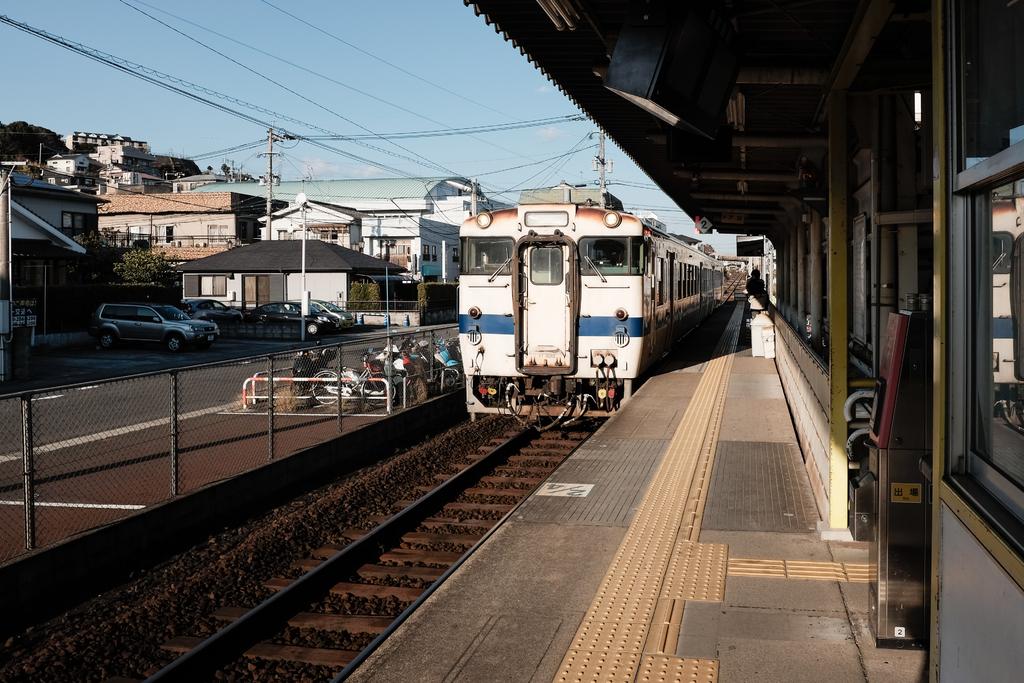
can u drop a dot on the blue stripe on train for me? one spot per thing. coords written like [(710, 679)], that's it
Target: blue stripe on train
[(603, 326), (1002, 328)]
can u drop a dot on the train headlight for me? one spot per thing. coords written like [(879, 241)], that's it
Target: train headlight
[(621, 314), (474, 312), (612, 219), (484, 219)]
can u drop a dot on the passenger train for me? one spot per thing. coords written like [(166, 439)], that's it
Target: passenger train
[(563, 306), (1007, 299)]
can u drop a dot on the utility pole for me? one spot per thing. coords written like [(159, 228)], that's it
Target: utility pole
[(472, 204), (603, 167), (270, 182), (271, 137), (5, 276)]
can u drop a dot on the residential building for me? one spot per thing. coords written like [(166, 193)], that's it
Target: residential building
[(267, 271), (47, 223), (413, 221), (125, 158), (80, 182), (326, 222), (187, 225), (70, 164), (77, 140)]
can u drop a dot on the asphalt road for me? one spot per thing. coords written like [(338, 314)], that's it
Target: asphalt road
[(79, 402)]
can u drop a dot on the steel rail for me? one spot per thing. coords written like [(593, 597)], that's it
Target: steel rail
[(231, 642)]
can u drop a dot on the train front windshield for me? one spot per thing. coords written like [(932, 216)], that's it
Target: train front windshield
[(612, 255), (485, 255)]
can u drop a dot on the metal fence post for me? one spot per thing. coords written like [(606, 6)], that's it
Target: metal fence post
[(28, 471), (270, 407), (337, 369), (173, 410)]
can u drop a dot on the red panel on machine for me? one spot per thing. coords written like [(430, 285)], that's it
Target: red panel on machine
[(887, 388)]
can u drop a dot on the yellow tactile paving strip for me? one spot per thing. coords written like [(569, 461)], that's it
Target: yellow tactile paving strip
[(851, 572), (631, 629)]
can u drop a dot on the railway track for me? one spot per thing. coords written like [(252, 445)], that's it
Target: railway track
[(344, 600)]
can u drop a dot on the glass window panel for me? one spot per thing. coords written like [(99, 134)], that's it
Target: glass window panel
[(484, 255), (993, 78), (546, 265), (610, 255), (998, 393)]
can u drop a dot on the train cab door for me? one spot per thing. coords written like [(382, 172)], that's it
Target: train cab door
[(547, 308)]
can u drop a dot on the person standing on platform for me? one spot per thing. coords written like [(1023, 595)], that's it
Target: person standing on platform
[(756, 293)]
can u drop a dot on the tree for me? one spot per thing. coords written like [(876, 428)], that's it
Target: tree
[(144, 266), (21, 139)]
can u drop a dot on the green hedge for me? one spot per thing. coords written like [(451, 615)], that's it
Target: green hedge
[(363, 292), (71, 306), (433, 296)]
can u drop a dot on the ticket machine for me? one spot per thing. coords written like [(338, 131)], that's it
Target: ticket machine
[(899, 462)]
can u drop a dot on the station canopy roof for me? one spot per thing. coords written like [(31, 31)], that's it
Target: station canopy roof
[(768, 159)]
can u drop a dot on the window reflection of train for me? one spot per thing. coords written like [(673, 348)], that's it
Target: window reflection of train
[(562, 307), (1007, 298)]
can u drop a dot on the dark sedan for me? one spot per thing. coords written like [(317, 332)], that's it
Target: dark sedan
[(319, 319), (211, 309)]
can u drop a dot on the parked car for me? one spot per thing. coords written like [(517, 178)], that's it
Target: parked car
[(211, 309), (346, 318), (319, 319), (161, 323)]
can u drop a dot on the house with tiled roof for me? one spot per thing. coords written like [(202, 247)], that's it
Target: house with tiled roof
[(186, 225), (418, 217)]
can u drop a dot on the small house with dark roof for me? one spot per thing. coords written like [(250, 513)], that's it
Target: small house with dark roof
[(258, 273)]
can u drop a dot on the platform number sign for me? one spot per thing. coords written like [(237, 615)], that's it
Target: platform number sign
[(900, 632), (560, 490), (704, 225)]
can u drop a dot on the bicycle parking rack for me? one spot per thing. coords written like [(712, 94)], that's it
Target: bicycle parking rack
[(251, 395)]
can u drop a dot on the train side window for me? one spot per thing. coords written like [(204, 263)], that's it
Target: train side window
[(484, 255), (661, 281), (546, 265), (996, 436)]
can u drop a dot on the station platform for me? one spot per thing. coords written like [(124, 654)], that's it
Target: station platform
[(687, 551)]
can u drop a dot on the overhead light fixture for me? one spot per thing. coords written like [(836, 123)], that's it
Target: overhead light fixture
[(562, 13), (676, 61)]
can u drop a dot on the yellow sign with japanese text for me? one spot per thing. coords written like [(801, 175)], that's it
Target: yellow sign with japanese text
[(905, 493)]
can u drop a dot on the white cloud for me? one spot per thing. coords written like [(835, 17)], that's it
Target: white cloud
[(319, 168), (549, 133)]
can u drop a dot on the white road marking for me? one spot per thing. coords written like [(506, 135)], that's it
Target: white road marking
[(561, 490), (99, 436), (91, 386), (86, 506), (47, 398)]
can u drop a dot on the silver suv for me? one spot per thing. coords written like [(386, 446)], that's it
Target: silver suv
[(161, 323)]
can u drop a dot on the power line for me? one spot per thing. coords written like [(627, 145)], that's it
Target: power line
[(473, 101), (321, 75), (426, 162), (181, 87)]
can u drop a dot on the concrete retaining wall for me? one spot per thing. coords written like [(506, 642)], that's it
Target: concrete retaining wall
[(803, 377), (50, 581)]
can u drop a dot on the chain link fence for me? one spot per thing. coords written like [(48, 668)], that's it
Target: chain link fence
[(99, 452)]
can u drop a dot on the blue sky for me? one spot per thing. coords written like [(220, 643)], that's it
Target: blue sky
[(445, 68)]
